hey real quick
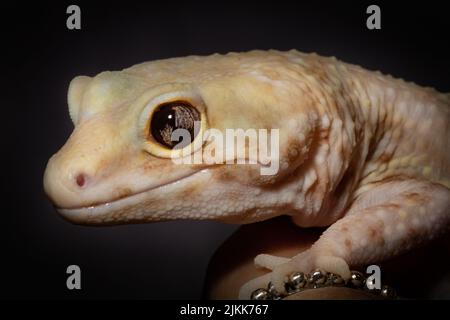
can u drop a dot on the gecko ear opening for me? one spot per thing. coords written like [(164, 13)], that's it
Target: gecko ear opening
[(75, 94)]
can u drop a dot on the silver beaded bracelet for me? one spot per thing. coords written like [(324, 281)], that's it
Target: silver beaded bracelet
[(298, 281)]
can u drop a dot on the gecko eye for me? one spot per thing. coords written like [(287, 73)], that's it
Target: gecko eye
[(171, 116)]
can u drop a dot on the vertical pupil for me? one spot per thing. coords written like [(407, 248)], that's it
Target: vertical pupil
[(171, 116)]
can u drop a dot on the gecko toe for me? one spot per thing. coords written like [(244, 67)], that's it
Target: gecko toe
[(269, 261)]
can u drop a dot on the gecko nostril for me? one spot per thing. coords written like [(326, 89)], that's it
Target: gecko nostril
[(80, 180)]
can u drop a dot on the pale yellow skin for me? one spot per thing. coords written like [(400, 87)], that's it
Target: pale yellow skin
[(361, 152)]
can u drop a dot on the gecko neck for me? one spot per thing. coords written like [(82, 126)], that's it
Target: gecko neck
[(348, 130)]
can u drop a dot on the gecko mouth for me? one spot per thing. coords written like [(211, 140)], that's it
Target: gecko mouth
[(83, 215)]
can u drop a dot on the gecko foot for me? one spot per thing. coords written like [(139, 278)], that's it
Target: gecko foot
[(300, 263)]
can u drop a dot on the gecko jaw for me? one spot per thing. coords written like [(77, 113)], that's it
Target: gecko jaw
[(83, 215)]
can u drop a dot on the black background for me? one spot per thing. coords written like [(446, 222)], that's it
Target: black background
[(40, 57)]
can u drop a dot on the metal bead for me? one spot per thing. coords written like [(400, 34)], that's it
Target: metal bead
[(260, 294), (274, 294), (296, 281), (335, 280), (317, 278), (357, 280), (388, 292)]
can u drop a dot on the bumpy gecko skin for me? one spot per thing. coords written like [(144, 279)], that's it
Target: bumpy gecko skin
[(363, 153)]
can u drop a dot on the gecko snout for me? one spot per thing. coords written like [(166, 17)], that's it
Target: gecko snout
[(67, 184)]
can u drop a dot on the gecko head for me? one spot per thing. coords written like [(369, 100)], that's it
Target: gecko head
[(150, 142)]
